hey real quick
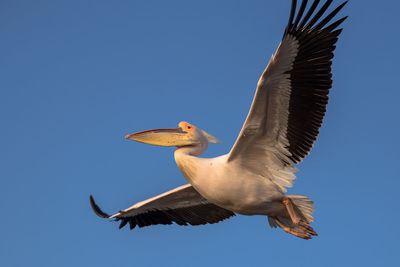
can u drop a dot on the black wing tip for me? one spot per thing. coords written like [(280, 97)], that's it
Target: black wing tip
[(97, 209), (123, 223), (307, 18)]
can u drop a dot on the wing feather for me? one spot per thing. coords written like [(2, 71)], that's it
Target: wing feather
[(182, 205), (291, 96)]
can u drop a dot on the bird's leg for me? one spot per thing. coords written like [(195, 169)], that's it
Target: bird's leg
[(290, 208), (296, 218), (306, 227), (290, 230)]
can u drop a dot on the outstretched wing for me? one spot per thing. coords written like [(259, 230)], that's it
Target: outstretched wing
[(291, 97), (182, 205)]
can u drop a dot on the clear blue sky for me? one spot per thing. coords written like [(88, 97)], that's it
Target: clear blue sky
[(76, 76)]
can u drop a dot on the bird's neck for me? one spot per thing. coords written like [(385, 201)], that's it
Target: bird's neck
[(195, 151), (188, 162)]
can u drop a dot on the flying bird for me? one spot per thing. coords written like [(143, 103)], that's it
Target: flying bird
[(283, 122)]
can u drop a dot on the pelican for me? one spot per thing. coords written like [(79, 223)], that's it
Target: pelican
[(280, 129)]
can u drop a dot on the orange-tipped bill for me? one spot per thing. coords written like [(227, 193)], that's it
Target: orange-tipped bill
[(163, 137)]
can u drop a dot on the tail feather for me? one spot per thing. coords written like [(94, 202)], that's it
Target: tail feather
[(305, 206)]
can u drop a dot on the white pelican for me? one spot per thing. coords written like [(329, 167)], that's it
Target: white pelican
[(280, 129)]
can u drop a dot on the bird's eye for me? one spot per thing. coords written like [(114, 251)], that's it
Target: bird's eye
[(189, 127)]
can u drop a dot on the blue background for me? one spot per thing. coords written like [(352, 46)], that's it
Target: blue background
[(76, 76)]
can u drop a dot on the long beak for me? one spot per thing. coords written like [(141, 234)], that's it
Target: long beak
[(163, 137)]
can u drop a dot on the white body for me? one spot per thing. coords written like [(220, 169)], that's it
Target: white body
[(228, 185)]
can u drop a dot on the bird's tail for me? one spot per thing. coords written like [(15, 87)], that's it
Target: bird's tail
[(303, 205)]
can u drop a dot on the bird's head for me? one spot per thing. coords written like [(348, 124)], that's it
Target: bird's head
[(185, 135)]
